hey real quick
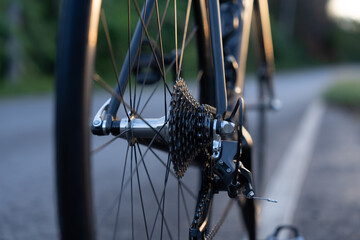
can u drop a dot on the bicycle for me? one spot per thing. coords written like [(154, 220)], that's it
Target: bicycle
[(204, 139)]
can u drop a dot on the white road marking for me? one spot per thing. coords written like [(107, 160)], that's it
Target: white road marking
[(286, 183)]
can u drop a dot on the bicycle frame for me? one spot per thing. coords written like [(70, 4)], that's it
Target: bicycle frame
[(217, 82)]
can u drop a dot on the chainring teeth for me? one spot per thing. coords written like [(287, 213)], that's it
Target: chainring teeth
[(189, 128)]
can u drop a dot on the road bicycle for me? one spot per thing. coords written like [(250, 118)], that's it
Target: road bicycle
[(175, 158)]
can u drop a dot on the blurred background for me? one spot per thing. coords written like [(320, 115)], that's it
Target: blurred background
[(306, 34), (317, 57)]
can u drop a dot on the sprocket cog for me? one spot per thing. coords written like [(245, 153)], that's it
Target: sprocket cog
[(189, 128)]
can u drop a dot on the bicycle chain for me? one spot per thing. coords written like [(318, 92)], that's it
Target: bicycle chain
[(190, 125), (189, 128), (203, 204)]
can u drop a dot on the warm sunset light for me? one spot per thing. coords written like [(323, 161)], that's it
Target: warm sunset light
[(346, 9)]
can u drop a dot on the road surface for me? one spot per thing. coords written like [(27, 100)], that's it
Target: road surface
[(27, 188)]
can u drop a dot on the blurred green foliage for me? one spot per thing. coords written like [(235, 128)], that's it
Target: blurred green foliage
[(289, 53), (346, 41), (27, 87), (33, 27), (3, 35), (344, 93), (39, 34), (36, 31)]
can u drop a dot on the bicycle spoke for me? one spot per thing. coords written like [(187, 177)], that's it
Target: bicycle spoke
[(149, 147), (151, 45), (132, 197), (184, 35), (138, 58), (149, 98), (129, 42), (162, 53), (138, 154), (160, 39), (97, 78), (174, 175), (171, 65), (162, 200), (111, 52), (111, 91), (141, 197), (159, 210), (148, 66), (108, 40), (199, 76), (141, 161), (185, 205), (191, 36), (107, 143), (121, 188), (164, 191), (175, 32), (178, 210), (129, 181), (166, 115), (217, 226), (153, 190)]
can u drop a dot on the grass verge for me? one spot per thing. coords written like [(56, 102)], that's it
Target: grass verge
[(344, 93), (26, 87)]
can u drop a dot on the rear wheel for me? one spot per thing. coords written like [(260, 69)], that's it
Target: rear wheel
[(139, 191)]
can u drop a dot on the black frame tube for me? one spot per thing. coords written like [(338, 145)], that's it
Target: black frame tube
[(205, 59), (218, 57)]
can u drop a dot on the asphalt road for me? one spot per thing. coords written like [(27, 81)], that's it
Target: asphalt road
[(27, 188), (328, 207)]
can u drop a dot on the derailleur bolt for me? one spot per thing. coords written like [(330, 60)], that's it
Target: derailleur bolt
[(226, 127)]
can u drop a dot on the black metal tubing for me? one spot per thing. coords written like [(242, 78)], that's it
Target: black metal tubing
[(218, 57), (207, 82)]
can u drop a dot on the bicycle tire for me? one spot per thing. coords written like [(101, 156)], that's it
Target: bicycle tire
[(73, 86), (72, 145)]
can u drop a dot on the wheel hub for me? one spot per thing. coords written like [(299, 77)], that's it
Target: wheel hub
[(187, 132)]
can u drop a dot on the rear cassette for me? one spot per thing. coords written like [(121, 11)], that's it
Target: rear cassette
[(189, 128)]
